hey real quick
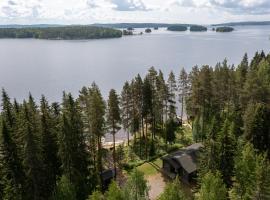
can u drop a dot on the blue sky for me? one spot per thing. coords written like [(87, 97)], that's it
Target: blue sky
[(110, 11)]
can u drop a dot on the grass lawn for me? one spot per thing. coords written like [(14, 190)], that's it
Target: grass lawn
[(150, 168)]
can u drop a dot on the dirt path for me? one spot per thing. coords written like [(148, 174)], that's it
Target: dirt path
[(157, 185)]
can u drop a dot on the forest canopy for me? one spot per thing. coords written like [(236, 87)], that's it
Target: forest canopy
[(177, 28), (197, 28), (61, 33), (224, 29)]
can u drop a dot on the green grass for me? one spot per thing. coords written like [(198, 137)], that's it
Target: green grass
[(148, 168)]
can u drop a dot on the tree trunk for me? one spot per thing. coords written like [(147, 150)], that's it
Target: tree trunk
[(146, 145), (114, 155), (182, 109), (99, 160), (128, 136)]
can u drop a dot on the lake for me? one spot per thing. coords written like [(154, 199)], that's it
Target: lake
[(49, 67)]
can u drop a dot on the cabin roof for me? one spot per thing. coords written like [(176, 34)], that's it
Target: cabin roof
[(185, 158)]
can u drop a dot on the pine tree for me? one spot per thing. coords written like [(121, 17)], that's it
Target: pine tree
[(172, 88), (138, 100), (134, 112), (126, 108), (183, 90), (113, 119), (162, 92), (72, 147), (147, 109)]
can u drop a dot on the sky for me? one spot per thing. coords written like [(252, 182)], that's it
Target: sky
[(115, 11)]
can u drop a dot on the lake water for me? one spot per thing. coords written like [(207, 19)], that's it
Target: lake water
[(49, 67)]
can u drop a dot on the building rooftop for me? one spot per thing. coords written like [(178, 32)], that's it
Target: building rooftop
[(185, 158)]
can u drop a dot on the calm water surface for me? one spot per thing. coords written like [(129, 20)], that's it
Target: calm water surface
[(49, 67)]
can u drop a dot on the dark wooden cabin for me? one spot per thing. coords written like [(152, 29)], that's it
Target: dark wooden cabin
[(183, 163)]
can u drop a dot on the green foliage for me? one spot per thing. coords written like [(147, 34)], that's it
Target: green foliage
[(65, 190), (256, 126), (97, 195), (49, 147), (72, 148), (177, 28), (136, 187), (197, 28), (173, 191), (113, 118), (251, 175), (61, 33), (114, 192), (212, 187), (224, 29), (171, 127)]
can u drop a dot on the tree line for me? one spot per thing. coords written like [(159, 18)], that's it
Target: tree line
[(61, 33), (54, 151)]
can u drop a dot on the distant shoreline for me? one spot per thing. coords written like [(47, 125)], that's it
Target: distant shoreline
[(136, 25)]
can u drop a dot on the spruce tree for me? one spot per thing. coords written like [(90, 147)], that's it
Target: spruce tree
[(32, 154), (12, 175), (173, 191), (228, 144), (49, 147), (245, 174), (97, 108), (72, 147), (212, 188), (8, 111), (256, 126)]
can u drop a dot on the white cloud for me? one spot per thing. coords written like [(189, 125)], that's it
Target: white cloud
[(171, 11), (254, 7), (129, 5)]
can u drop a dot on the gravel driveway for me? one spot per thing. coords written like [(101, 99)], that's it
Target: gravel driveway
[(157, 185)]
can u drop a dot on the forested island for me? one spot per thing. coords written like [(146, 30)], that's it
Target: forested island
[(198, 28), (54, 150), (177, 28), (224, 29), (61, 33)]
